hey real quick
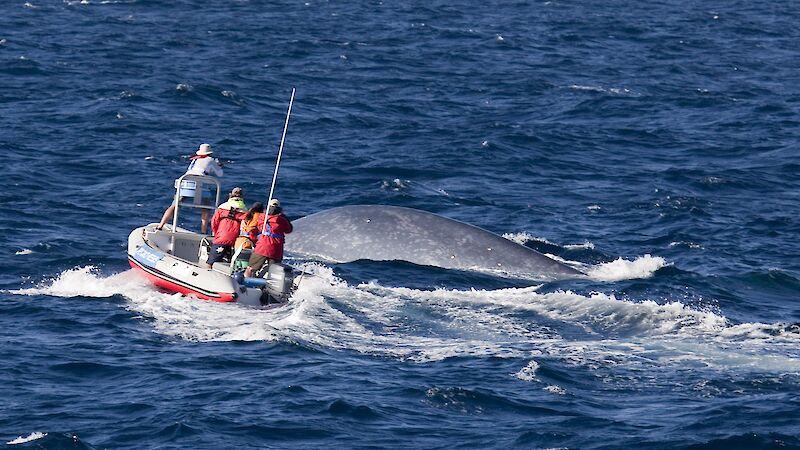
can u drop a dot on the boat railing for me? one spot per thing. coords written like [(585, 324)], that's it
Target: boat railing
[(192, 191), (195, 191)]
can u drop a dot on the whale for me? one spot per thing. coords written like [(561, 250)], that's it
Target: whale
[(392, 233)]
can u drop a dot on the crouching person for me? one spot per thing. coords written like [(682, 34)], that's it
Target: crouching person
[(225, 226), (269, 247)]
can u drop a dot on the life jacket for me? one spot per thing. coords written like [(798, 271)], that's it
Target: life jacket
[(268, 232), (245, 239), (232, 215), (193, 160)]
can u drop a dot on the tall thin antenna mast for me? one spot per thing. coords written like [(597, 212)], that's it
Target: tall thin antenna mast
[(278, 162)]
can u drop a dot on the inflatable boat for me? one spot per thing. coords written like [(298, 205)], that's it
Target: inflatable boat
[(174, 258)]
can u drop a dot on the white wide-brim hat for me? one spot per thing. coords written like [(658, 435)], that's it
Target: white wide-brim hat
[(204, 149)]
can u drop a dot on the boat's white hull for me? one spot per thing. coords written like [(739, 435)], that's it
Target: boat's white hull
[(153, 260)]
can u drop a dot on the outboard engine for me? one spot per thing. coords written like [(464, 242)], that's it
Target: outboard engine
[(276, 285), (279, 284)]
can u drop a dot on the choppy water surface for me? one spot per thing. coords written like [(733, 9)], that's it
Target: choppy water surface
[(655, 144)]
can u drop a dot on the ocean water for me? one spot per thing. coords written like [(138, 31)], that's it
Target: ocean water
[(653, 143)]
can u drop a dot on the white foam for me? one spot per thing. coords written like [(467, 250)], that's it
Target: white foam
[(528, 373), (579, 266), (396, 184), (584, 246), (429, 325), (86, 282), (553, 389), (668, 334), (597, 312), (621, 269), (24, 251), (32, 437), (524, 237), (580, 87), (611, 90), (691, 245), (173, 314)]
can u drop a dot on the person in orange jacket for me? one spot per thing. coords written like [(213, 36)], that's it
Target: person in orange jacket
[(225, 226), (269, 247), (248, 231)]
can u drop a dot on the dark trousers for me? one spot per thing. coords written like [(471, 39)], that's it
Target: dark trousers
[(219, 253)]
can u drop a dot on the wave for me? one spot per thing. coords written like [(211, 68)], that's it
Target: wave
[(327, 313), (610, 90), (617, 270), (87, 282), (583, 246), (39, 439), (528, 373), (621, 269), (31, 437)]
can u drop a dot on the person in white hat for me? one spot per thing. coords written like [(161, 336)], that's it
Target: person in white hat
[(202, 164)]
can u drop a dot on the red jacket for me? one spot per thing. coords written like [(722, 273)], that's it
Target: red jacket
[(270, 244), (225, 225)]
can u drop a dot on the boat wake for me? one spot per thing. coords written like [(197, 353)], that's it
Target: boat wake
[(326, 313)]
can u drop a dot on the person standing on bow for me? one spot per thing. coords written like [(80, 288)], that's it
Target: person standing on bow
[(269, 247), (201, 164), (225, 226)]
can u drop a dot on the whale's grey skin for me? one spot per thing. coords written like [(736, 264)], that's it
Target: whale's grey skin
[(385, 233)]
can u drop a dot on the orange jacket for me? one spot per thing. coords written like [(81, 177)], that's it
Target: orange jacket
[(248, 232)]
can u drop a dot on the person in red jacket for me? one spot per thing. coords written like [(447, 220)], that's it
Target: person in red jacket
[(225, 226), (269, 247)]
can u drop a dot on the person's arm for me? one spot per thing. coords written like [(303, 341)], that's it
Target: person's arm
[(281, 224), (288, 224), (215, 168)]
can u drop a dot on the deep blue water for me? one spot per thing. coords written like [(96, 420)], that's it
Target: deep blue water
[(592, 131)]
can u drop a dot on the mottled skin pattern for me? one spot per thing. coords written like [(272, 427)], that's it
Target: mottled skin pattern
[(384, 233)]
